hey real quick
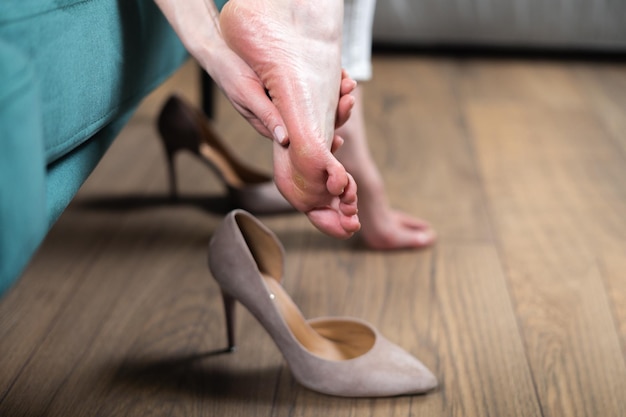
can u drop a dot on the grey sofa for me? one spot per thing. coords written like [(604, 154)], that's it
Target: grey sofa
[(562, 24)]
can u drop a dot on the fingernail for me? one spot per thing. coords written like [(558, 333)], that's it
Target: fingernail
[(280, 135)]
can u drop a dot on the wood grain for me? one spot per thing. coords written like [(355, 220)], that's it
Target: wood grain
[(519, 308), (550, 174)]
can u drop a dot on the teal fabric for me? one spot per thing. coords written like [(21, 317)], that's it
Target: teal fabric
[(23, 220), (71, 74), (92, 58), (220, 4), (66, 175)]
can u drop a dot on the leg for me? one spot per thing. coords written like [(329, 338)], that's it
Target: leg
[(294, 48), (382, 227)]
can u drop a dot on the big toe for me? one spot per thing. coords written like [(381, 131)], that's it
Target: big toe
[(338, 178)]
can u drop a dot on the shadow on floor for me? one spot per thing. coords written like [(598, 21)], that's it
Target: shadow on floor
[(197, 375), (219, 205)]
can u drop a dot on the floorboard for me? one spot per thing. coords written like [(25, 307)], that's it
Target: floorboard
[(550, 173), (519, 309)]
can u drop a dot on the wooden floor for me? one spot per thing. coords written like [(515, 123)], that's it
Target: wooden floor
[(520, 309)]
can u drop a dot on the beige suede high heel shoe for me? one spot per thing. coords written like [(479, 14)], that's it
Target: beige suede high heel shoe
[(182, 127), (336, 356)]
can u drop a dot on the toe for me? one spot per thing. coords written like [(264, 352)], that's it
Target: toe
[(331, 223), (337, 178), (349, 195), (350, 224)]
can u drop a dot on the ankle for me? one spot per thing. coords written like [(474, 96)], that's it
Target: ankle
[(370, 185)]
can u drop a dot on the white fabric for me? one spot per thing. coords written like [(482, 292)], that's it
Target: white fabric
[(356, 54)]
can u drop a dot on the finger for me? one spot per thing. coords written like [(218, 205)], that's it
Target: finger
[(262, 107)]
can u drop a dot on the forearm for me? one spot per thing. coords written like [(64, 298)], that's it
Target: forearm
[(197, 24)]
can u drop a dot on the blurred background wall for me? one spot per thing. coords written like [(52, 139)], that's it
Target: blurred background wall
[(563, 24)]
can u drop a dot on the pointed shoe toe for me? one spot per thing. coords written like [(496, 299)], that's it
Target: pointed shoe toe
[(337, 356), (383, 369)]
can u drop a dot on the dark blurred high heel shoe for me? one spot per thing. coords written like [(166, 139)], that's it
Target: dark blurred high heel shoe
[(336, 356), (182, 127)]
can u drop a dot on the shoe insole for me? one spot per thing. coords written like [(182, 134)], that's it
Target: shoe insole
[(342, 339)]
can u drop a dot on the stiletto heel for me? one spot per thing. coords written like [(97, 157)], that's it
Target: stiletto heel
[(229, 313), (171, 171), (183, 127), (337, 356)]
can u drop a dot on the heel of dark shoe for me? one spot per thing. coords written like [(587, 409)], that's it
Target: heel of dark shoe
[(171, 172), (173, 132), (229, 312)]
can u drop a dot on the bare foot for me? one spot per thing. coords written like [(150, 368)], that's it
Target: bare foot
[(294, 48), (383, 227)]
